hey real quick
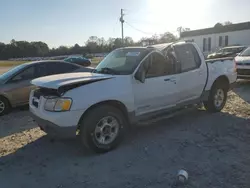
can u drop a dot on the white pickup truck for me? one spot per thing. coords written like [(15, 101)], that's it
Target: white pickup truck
[(131, 85)]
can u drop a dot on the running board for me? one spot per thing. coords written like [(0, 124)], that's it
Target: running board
[(165, 115)]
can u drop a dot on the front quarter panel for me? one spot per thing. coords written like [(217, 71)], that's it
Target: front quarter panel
[(117, 88)]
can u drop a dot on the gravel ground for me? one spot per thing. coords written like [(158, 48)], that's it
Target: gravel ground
[(213, 148)]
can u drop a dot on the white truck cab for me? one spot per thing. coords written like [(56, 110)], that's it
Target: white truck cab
[(130, 85)]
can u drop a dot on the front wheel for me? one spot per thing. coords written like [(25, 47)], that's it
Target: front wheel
[(102, 129), (4, 106), (217, 99)]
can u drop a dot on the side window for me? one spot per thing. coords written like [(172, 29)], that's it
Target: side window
[(41, 70), (188, 57), (60, 68), (27, 74), (159, 66), (64, 67)]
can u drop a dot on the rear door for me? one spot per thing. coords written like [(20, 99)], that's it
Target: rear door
[(60, 68), (159, 90), (193, 73)]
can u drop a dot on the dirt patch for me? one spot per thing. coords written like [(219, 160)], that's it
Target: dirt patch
[(213, 148), (4, 69)]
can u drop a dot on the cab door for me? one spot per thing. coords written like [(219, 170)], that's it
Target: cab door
[(159, 89), (193, 73)]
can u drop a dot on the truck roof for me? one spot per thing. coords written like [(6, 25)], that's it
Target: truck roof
[(228, 47), (160, 46)]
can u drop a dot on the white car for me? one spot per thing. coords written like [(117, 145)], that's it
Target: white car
[(130, 85), (243, 64)]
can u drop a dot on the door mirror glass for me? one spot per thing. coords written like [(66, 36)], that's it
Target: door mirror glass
[(141, 74)]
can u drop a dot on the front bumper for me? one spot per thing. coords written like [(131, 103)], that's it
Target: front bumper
[(54, 130)]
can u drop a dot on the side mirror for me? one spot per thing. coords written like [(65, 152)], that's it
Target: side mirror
[(140, 75), (142, 71)]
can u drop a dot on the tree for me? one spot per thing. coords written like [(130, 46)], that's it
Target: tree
[(182, 29), (2, 46), (218, 25), (227, 23), (223, 24), (76, 49), (167, 37), (118, 43), (94, 44), (128, 41), (40, 49), (111, 44)]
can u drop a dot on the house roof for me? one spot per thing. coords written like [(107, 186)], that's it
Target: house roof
[(218, 29)]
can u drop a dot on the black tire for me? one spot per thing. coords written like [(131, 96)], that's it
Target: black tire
[(5, 104), (87, 63), (92, 119), (211, 105)]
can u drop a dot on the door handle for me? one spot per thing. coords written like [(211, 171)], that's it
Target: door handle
[(170, 80), (200, 73), (167, 79)]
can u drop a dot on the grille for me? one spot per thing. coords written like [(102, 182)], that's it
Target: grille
[(42, 92), (45, 92), (246, 64), (243, 71), (37, 93)]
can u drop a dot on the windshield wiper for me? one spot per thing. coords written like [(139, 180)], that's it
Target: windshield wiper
[(107, 70)]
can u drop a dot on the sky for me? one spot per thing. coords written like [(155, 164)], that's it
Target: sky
[(67, 22)]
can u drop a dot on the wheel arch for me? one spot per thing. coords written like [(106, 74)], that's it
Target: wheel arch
[(222, 80), (115, 103), (5, 97)]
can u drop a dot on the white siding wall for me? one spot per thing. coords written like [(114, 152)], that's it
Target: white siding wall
[(235, 37)]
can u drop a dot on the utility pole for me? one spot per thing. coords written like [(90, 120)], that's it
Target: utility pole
[(122, 22), (179, 29)]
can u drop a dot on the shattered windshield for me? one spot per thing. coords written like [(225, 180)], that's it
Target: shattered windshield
[(122, 61)]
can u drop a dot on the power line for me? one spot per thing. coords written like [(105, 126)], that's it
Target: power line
[(143, 22), (147, 33), (171, 31)]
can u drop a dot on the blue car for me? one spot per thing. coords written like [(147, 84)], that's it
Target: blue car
[(79, 60)]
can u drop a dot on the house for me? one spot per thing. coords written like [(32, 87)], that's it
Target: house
[(211, 39)]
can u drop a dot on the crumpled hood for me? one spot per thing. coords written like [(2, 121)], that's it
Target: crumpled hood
[(60, 80)]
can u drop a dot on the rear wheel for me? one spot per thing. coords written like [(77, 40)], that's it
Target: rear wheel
[(217, 98), (102, 129), (87, 63), (4, 106)]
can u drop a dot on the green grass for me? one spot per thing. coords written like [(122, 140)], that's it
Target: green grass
[(11, 63), (95, 61)]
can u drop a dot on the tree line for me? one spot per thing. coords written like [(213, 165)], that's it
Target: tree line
[(22, 49)]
